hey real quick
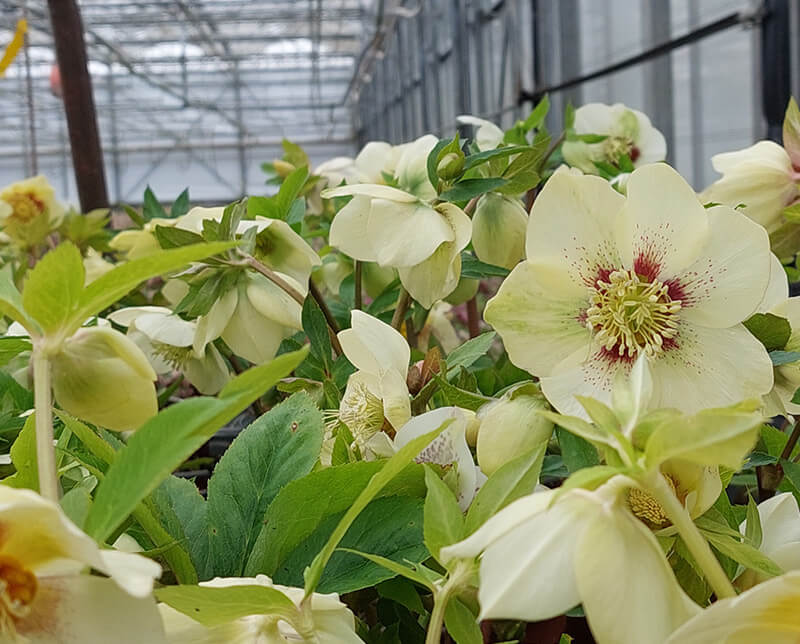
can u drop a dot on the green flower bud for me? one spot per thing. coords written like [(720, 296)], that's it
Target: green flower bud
[(498, 230), (376, 278), (283, 168), (100, 375), (466, 290), (450, 166), (511, 426)]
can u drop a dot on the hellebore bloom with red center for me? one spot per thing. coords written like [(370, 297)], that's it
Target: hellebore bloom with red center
[(609, 277)]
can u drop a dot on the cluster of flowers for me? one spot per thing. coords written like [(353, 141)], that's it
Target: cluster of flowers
[(647, 314)]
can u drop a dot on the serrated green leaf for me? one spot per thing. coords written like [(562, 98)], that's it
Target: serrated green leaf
[(279, 447), (169, 438), (171, 237), (181, 205), (444, 523), (53, 289), (475, 160), (771, 330), (538, 114), (753, 524), (466, 354), (468, 188), (152, 208)]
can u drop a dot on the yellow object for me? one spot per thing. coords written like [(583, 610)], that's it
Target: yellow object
[(14, 46)]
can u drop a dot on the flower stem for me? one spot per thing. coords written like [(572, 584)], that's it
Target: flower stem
[(455, 582), (694, 540), (359, 300), (45, 451), (403, 302), (473, 319)]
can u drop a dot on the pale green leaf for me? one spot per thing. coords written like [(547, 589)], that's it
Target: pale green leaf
[(462, 623), (53, 288), (444, 522)]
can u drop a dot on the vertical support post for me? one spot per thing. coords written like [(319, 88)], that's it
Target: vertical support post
[(422, 48), (461, 60), (658, 73), (570, 47), (775, 69), (87, 155), (34, 160), (112, 114), (237, 95), (696, 93)]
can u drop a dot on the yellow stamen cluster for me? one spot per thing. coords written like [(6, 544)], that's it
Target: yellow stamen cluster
[(176, 357), (647, 509), (615, 147), (17, 587), (25, 205), (629, 314), (362, 412)]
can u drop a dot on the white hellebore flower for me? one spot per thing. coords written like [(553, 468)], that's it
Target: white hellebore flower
[(44, 598), (448, 450), (399, 228), (373, 159), (487, 135), (377, 392), (628, 132), (761, 177), (764, 614), (780, 536), (546, 553), (609, 277), (167, 341), (332, 621)]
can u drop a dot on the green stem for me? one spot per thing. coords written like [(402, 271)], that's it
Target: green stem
[(45, 450), (657, 486), (458, 577)]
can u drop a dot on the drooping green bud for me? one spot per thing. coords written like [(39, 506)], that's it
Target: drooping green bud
[(466, 290), (511, 426), (498, 230), (450, 166), (283, 168), (100, 375)]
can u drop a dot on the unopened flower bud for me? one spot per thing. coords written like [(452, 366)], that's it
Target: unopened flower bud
[(283, 168), (498, 230), (466, 290), (414, 379), (100, 375), (510, 427), (450, 166)]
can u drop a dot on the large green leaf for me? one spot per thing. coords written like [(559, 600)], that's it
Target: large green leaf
[(390, 527), (470, 351), (107, 289), (444, 522), (23, 456), (11, 300), (281, 446), (304, 504), (462, 623), (53, 288), (11, 347), (166, 440)]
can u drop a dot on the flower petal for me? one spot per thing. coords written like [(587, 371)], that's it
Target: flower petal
[(538, 326), (627, 588), (704, 370), (406, 234), (570, 229), (777, 289), (487, 135), (583, 374), (728, 281), (211, 325), (435, 277), (208, 374), (81, 608), (251, 335), (374, 346), (349, 230), (663, 227), (528, 573), (372, 190)]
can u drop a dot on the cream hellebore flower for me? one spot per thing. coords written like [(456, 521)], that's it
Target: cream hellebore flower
[(765, 613), (167, 341), (608, 278), (135, 243), (331, 621), (780, 537), (761, 177), (627, 131), (498, 230), (373, 159), (449, 450), (377, 393), (548, 552), (44, 598), (398, 227), (29, 211), (487, 135), (100, 375)]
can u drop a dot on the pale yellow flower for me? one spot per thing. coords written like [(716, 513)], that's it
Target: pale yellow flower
[(498, 230), (331, 621), (487, 135), (44, 598), (608, 278), (761, 177), (31, 211)]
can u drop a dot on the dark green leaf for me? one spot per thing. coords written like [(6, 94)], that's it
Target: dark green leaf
[(470, 351), (444, 523), (11, 347), (171, 237), (473, 268), (316, 329), (576, 451), (152, 208), (772, 331), (469, 188), (538, 114), (433, 160), (181, 205)]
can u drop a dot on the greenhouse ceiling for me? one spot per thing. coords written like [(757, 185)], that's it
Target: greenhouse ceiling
[(190, 74)]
